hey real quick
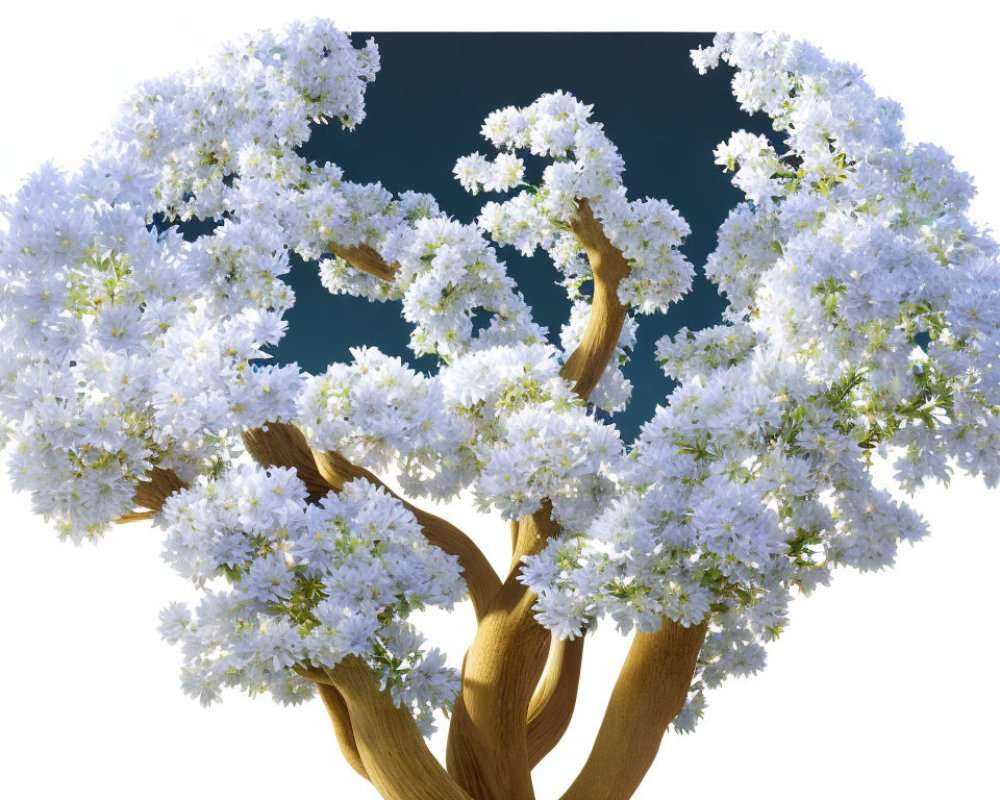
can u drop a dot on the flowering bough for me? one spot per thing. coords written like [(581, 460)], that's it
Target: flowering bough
[(863, 318)]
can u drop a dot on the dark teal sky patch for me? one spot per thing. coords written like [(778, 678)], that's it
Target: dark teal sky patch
[(425, 109)]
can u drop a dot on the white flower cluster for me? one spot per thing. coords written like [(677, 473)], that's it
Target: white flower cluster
[(530, 435), (500, 421), (444, 272), (122, 349), (585, 166), (562, 455), (863, 314), (376, 411), (447, 272), (289, 583), (870, 268), (255, 101)]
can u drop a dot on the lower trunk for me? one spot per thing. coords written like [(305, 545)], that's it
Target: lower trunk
[(649, 694)]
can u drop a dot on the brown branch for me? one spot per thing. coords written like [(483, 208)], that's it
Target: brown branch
[(285, 446), (607, 316), (552, 705), (392, 750), (135, 516), (366, 259), (487, 742), (488, 746), (282, 445), (336, 707), (480, 577), (159, 484), (151, 493), (488, 750), (551, 708), (649, 694)]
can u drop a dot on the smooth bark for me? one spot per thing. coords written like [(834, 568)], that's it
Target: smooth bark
[(551, 708), (487, 742), (651, 690), (607, 314), (392, 749)]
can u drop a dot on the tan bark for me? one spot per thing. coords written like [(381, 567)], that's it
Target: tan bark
[(336, 707), (487, 742), (366, 259), (391, 747), (607, 316), (650, 692), (151, 493), (135, 516), (551, 708), (159, 484), (488, 750), (282, 445), (502, 724)]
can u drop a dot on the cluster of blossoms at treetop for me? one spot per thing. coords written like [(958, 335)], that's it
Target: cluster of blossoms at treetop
[(863, 315)]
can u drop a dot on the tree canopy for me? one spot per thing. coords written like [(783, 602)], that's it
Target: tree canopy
[(862, 316)]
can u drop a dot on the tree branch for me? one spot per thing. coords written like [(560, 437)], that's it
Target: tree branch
[(151, 493), (488, 749), (336, 707), (649, 694), (282, 445), (391, 747), (487, 741), (507, 657), (607, 316), (551, 707), (135, 516), (366, 259)]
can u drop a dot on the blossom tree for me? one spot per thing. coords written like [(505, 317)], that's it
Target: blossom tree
[(862, 318)]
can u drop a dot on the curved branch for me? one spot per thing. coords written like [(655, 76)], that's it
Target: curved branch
[(480, 577), (391, 747), (650, 692), (366, 259), (135, 516), (552, 705), (336, 707), (487, 741), (607, 316), (551, 708)]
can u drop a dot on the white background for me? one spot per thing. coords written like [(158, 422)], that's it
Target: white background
[(884, 685)]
